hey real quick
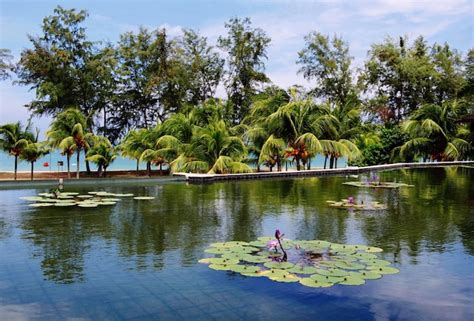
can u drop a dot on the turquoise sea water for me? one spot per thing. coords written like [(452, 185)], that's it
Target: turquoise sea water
[(137, 260), (7, 163)]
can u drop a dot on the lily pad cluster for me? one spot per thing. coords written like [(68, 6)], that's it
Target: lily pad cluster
[(350, 203), (91, 199), (377, 184), (312, 263)]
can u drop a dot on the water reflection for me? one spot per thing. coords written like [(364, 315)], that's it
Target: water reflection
[(174, 228)]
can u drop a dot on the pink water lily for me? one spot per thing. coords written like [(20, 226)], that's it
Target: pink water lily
[(272, 245), (350, 199)]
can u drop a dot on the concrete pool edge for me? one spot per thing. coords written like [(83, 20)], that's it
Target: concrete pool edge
[(10, 184), (209, 178)]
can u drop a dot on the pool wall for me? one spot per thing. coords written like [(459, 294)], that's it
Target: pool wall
[(207, 178)]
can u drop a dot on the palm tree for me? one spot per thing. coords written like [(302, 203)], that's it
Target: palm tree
[(339, 126), (67, 148), (434, 134), (213, 150), (61, 127), (133, 145), (32, 152), (80, 140), (272, 152), (254, 127), (294, 122), (102, 153), (13, 139)]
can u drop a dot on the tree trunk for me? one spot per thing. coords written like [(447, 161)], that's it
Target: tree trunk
[(331, 161), (271, 168), (335, 162), (105, 121), (77, 163), (161, 169), (258, 167), (309, 164), (105, 171), (298, 164), (325, 161), (16, 166), (138, 165), (32, 169), (68, 161), (88, 167), (148, 168)]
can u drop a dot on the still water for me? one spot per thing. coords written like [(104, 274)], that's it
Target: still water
[(137, 260)]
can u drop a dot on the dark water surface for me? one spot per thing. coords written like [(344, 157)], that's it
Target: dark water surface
[(137, 260)]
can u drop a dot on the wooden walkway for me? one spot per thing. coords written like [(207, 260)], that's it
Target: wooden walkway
[(209, 178)]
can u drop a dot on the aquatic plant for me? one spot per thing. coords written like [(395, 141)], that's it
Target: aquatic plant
[(351, 203), (91, 199), (376, 184), (312, 263)]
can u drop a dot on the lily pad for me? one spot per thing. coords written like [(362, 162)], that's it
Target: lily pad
[(106, 203), (215, 251), (254, 258), (85, 196), (64, 204), (111, 200), (352, 280), (220, 267), (350, 266), (278, 265), (367, 275), (217, 260), (300, 269), (332, 272), (376, 262), (287, 278), (365, 256), (326, 278), (124, 195), (63, 197), (384, 269), (89, 204), (41, 204), (372, 249), (244, 268), (274, 273), (143, 198), (315, 283), (258, 243)]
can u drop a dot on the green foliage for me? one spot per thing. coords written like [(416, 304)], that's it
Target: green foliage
[(247, 49), (5, 63), (405, 77), (377, 148), (327, 61), (14, 139), (101, 153)]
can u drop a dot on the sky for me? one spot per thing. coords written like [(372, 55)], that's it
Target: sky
[(360, 22)]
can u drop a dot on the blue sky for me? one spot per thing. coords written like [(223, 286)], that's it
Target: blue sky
[(361, 22)]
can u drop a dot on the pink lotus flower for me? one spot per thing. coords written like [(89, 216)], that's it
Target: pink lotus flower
[(272, 245), (350, 199)]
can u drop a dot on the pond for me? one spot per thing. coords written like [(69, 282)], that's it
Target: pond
[(137, 260)]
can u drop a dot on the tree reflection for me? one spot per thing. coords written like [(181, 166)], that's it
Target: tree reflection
[(179, 224)]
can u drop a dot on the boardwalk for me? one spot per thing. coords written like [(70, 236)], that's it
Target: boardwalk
[(208, 178)]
